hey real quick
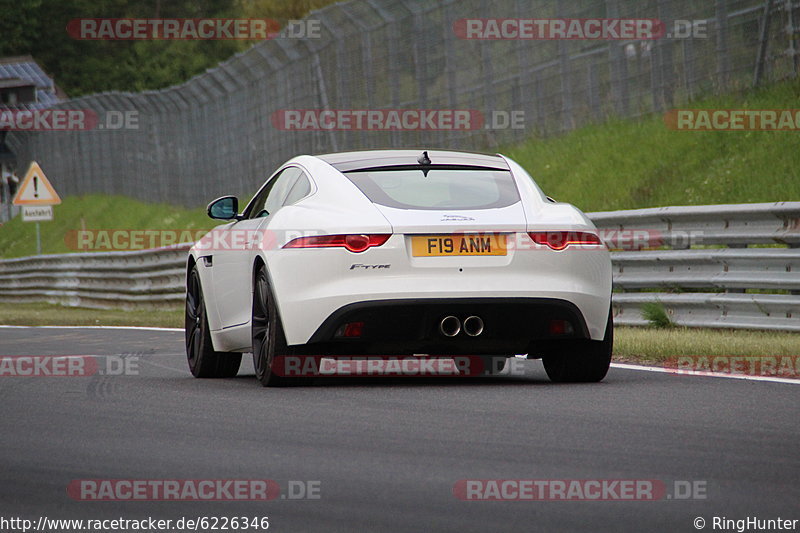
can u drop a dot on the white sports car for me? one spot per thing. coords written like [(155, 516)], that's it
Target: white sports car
[(399, 252)]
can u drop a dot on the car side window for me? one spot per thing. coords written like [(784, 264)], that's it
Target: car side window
[(271, 197), (257, 209), (281, 189), (300, 189)]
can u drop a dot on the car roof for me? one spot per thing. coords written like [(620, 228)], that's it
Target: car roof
[(347, 161)]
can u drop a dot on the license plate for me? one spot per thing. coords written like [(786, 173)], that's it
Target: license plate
[(467, 244)]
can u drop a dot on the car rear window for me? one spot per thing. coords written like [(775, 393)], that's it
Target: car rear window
[(441, 189)]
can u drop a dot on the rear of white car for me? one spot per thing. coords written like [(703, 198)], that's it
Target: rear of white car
[(441, 253)]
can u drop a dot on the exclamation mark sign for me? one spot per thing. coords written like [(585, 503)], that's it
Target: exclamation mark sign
[(35, 187)]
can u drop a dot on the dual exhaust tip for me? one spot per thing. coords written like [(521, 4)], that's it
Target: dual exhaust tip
[(450, 326)]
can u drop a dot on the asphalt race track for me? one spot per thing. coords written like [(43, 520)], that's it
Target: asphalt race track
[(386, 453)]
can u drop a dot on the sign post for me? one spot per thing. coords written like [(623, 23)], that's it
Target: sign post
[(37, 197)]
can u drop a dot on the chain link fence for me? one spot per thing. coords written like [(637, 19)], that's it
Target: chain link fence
[(216, 133)]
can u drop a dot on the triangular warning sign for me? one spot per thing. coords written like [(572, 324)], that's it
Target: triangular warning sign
[(36, 189)]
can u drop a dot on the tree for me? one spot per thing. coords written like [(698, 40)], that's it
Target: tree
[(38, 28)]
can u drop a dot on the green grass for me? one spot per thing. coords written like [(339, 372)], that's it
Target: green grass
[(656, 315), (628, 164), (654, 345), (636, 345), (96, 212), (43, 314)]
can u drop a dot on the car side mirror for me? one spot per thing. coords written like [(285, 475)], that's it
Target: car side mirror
[(225, 208)]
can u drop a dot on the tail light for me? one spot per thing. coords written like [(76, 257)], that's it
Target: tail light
[(559, 327), (353, 243), (350, 330), (558, 240)]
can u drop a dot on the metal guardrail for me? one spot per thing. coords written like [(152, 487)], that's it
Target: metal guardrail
[(734, 225), (700, 274), (704, 267), (714, 310), (730, 269), (104, 280)]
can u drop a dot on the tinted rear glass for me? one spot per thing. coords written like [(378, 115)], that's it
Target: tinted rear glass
[(440, 190)]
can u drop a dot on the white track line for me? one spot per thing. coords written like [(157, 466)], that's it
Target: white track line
[(83, 356), (624, 366), (139, 328), (13, 357)]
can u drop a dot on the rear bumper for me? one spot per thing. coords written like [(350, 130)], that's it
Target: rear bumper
[(406, 326), (311, 286)]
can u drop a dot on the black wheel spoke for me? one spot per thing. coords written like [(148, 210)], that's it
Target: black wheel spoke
[(262, 329), (261, 313), (194, 318), (196, 338), (204, 361)]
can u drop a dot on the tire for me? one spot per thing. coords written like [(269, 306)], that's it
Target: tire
[(581, 361), (203, 361), (269, 341)]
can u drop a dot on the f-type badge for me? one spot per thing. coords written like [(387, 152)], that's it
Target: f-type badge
[(359, 266)]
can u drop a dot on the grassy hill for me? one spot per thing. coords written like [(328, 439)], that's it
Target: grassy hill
[(95, 212), (616, 165), (632, 164)]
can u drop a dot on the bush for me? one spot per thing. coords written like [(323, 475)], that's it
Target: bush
[(656, 315)]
